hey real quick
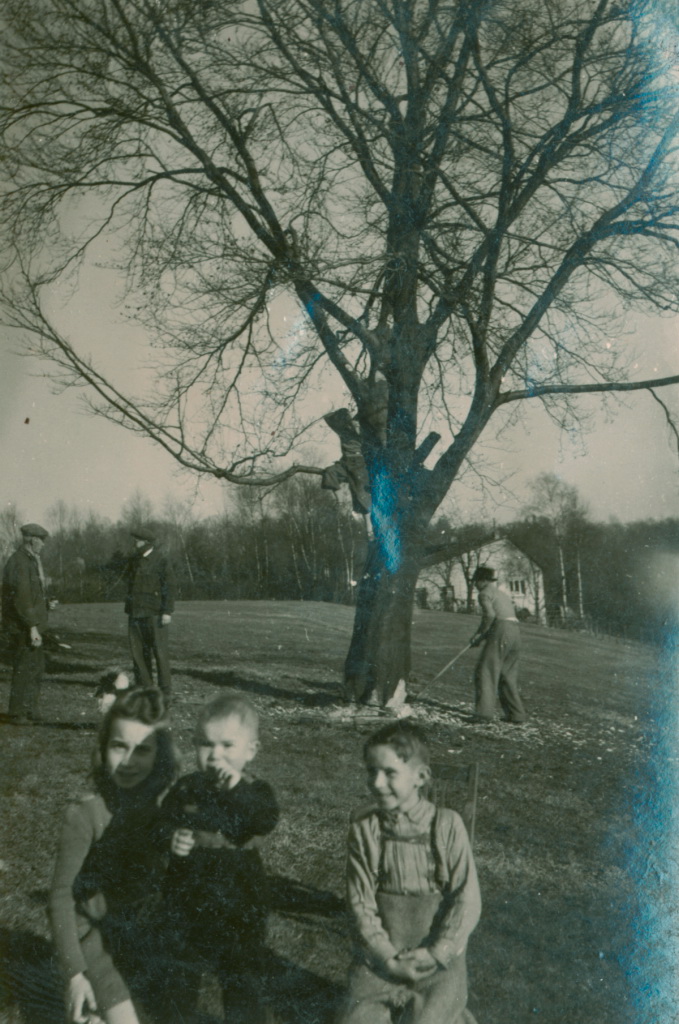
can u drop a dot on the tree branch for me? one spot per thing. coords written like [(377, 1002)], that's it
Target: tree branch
[(584, 389)]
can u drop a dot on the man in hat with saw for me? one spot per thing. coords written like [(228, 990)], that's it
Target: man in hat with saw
[(25, 607), (497, 669), (149, 605)]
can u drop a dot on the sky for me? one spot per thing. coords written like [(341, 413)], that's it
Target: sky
[(624, 465)]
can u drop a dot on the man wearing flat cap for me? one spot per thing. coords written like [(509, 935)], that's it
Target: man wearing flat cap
[(149, 605), (25, 607), (497, 670)]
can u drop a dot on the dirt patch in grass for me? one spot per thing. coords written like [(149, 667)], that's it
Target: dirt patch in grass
[(556, 813)]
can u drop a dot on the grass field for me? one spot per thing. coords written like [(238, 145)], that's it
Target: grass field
[(558, 818)]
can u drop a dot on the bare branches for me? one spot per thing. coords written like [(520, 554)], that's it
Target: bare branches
[(446, 191), (669, 418), (132, 414), (584, 389)]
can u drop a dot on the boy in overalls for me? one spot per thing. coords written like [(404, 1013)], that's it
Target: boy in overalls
[(412, 891)]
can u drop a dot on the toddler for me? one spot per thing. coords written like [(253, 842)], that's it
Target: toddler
[(215, 903), (412, 891)]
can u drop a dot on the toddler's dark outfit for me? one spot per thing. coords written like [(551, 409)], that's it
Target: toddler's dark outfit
[(215, 898)]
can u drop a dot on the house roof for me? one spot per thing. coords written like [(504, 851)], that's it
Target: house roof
[(454, 548)]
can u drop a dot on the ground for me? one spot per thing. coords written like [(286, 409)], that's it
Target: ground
[(562, 810)]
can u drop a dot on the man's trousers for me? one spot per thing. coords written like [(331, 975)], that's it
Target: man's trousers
[(28, 666), (497, 673), (149, 643)]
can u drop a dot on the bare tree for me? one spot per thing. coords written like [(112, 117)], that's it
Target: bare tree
[(63, 521), (250, 511), (561, 505), (461, 546), (179, 516), (136, 512), (10, 530), (457, 194)]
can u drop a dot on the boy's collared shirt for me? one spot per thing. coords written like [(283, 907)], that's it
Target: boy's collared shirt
[(441, 862)]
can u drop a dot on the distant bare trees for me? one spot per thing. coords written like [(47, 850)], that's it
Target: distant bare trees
[(454, 546), (561, 507), (10, 523)]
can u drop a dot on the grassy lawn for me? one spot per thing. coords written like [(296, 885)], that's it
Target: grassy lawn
[(556, 821)]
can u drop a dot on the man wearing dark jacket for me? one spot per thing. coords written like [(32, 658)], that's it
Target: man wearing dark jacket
[(25, 608), (149, 605)]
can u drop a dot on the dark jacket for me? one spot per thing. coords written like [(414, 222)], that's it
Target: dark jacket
[(150, 585), (24, 601), (226, 879)]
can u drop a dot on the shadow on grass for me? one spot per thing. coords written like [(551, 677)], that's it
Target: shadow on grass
[(288, 896), (439, 704), (46, 723), (39, 897), (57, 668), (226, 677), (292, 995), (29, 980), (30, 985), (89, 637), (298, 996), (331, 686)]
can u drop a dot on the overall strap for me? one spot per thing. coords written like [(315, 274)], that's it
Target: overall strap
[(439, 877), (428, 839)]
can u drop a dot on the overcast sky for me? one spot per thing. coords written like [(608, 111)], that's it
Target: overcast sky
[(51, 449)]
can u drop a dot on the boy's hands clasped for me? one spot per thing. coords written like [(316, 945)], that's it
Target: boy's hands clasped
[(412, 965)]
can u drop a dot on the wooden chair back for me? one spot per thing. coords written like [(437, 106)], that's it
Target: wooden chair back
[(457, 786)]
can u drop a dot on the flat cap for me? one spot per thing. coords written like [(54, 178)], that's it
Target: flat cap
[(141, 533), (33, 530), (484, 574)]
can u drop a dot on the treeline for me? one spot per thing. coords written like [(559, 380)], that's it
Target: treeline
[(613, 578), (616, 578), (299, 542)]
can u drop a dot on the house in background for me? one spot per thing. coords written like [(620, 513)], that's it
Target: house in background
[(445, 581)]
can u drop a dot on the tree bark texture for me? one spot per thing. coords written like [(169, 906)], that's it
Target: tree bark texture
[(379, 653)]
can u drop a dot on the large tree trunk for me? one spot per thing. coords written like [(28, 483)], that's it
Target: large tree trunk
[(379, 654), (401, 511)]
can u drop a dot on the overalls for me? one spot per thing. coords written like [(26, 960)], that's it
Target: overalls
[(410, 921)]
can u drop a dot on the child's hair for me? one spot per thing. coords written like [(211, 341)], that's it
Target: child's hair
[(407, 740), (143, 705), (228, 704)]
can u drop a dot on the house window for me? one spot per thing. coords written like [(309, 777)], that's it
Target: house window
[(517, 586)]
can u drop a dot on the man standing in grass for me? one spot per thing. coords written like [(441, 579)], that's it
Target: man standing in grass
[(149, 605), (25, 607), (497, 670)]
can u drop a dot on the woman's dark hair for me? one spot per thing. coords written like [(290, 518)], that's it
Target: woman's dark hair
[(143, 705), (406, 739)]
